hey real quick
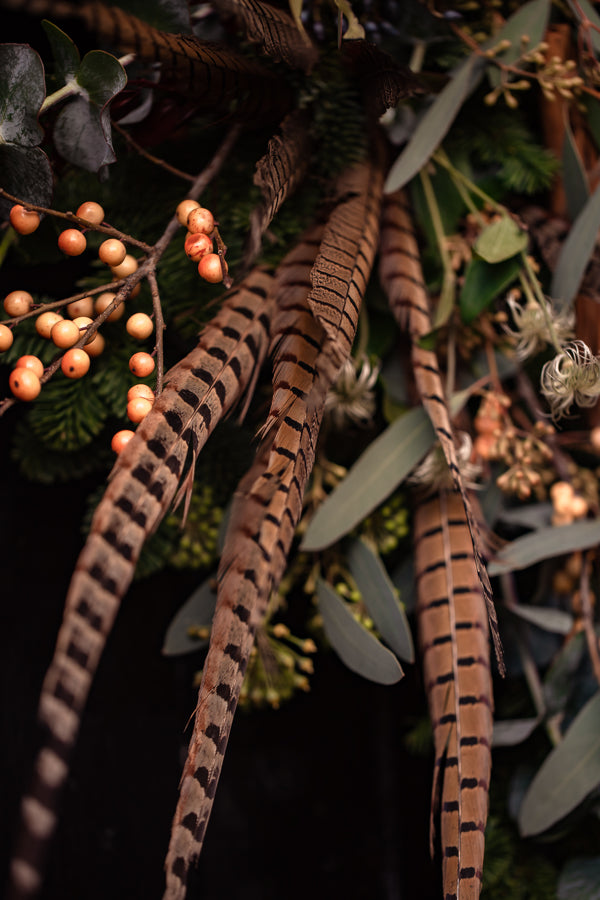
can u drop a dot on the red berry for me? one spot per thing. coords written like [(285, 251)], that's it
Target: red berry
[(75, 363), (201, 220), (210, 269), (120, 439), (112, 252), (141, 364), (24, 221), (24, 384), (184, 209), (6, 338), (138, 409), (17, 303), (30, 362), (72, 242), (91, 212), (197, 245)]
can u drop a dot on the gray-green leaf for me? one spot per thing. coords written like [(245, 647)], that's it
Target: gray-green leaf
[(22, 92), (580, 879), (356, 647), (567, 775), (544, 544), (501, 240), (576, 252), (196, 612), (548, 619)]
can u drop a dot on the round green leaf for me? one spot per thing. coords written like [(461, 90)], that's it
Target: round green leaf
[(101, 76), (22, 92), (25, 172), (82, 135), (501, 240), (483, 283)]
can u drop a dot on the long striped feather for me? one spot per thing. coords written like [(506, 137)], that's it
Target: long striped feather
[(453, 634), (201, 389), (402, 278)]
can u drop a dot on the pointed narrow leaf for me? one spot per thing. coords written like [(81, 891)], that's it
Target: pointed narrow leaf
[(577, 187), (556, 620), (355, 646), (544, 544), (580, 879), (197, 611), (64, 52), (576, 252), (435, 124), (509, 732), (530, 20), (379, 597), (567, 775)]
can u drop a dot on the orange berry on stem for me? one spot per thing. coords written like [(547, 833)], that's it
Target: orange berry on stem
[(141, 364), (83, 307), (91, 212), (139, 326), (197, 245), (210, 269), (138, 409), (24, 221), (112, 252), (6, 337), (24, 384), (82, 323), (75, 363), (201, 220), (72, 242), (95, 346), (30, 362), (46, 322), (184, 209), (65, 333), (17, 303), (127, 267), (141, 390), (104, 300), (121, 439)]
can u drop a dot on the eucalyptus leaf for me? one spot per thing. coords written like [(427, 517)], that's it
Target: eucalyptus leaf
[(25, 172), (501, 240), (379, 597), (64, 52), (545, 543), (567, 775), (483, 283), (22, 92), (576, 252), (356, 647), (101, 76), (510, 732), (82, 135), (435, 123), (577, 187), (530, 20), (196, 612), (580, 879), (556, 620)]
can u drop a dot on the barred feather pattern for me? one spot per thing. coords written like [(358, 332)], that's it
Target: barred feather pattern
[(265, 513), (402, 279), (453, 635), (201, 389)]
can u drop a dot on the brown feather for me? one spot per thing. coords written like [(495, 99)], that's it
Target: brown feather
[(453, 634)]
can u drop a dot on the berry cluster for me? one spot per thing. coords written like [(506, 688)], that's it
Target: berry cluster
[(198, 245)]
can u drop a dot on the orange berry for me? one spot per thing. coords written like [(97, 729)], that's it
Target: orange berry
[(65, 333), (210, 269), (82, 323), (72, 242), (24, 384), (120, 439), (6, 338), (91, 212), (30, 362), (141, 364), (141, 390), (138, 409), (96, 345), (112, 252), (139, 326), (201, 220), (184, 209), (197, 245), (127, 267), (135, 291), (104, 300), (24, 221), (17, 303), (83, 307), (75, 363), (45, 322)]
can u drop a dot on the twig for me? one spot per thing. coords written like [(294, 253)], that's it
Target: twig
[(159, 324), (153, 159)]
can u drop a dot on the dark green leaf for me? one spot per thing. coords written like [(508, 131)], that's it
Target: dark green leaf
[(356, 647), (545, 544), (561, 676), (576, 252), (567, 775), (580, 879), (509, 732), (64, 52), (101, 76), (501, 240), (576, 183), (531, 20), (483, 283), (22, 92), (25, 172), (196, 612), (82, 135), (546, 618), (379, 597)]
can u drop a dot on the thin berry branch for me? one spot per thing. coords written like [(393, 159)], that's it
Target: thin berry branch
[(159, 327), (153, 159)]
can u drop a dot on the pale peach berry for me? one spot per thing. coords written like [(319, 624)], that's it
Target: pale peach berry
[(141, 364), (141, 390), (45, 323), (201, 220), (104, 300), (82, 323), (72, 242), (138, 409), (83, 307), (75, 363), (6, 338), (24, 221), (96, 345), (184, 209), (127, 267), (210, 269), (91, 212), (139, 326), (17, 303), (24, 384), (120, 439), (112, 252), (65, 333), (31, 362)]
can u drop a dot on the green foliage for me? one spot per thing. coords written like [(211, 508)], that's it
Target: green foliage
[(512, 870)]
